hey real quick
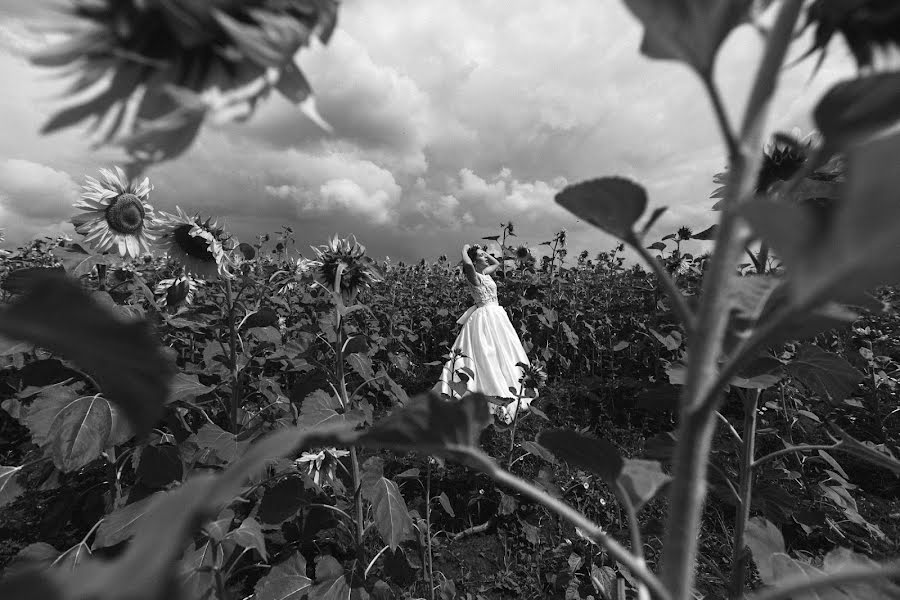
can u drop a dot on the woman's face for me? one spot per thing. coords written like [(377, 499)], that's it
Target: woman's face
[(481, 257)]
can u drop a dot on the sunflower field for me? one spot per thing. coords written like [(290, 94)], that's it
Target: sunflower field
[(188, 415), (255, 353)]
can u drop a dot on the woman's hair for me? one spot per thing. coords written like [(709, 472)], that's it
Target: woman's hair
[(473, 252)]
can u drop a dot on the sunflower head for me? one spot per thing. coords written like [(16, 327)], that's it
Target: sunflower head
[(533, 376), (176, 292), (221, 55), (685, 233), (202, 247), (782, 158), (347, 257), (866, 25), (116, 214)]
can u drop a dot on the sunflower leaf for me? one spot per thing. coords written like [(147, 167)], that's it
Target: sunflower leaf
[(688, 30), (391, 515), (285, 581), (591, 454), (825, 374), (431, 425), (613, 204), (9, 487), (859, 107), (124, 358)]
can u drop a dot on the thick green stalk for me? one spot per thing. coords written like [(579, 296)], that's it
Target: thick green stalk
[(697, 422), (345, 402), (702, 394), (742, 512)]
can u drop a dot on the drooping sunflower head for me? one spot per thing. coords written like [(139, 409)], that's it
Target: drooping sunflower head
[(782, 158), (116, 214), (208, 50), (176, 292), (533, 375), (348, 257), (201, 247), (866, 25)]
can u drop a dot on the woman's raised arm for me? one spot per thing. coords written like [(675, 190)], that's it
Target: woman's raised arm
[(468, 267), (493, 264)]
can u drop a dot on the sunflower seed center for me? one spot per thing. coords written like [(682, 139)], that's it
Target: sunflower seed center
[(194, 246), (125, 214)]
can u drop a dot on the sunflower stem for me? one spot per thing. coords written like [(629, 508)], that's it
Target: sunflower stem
[(232, 361), (512, 433), (345, 402), (101, 277), (742, 511)]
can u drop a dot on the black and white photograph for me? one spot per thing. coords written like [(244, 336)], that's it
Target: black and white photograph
[(450, 300)]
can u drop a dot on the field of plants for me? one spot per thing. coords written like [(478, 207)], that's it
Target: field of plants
[(187, 416), (78, 480)]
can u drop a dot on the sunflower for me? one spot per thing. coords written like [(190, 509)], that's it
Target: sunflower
[(783, 157), (117, 215), (322, 465), (176, 291), (357, 270), (866, 25), (524, 257), (200, 246), (533, 375), (159, 68)]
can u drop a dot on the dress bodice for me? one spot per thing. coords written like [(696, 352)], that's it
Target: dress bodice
[(486, 291)]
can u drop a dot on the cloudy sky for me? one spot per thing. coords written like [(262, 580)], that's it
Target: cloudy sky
[(450, 117)]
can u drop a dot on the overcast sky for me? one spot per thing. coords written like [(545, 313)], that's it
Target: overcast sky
[(450, 117)]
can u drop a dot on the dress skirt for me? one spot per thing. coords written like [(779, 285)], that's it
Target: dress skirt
[(491, 349)]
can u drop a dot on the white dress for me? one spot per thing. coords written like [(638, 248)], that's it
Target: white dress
[(491, 349)]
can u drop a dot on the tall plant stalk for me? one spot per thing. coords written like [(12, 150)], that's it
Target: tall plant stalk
[(697, 420), (428, 526), (745, 492), (232, 359), (345, 402)]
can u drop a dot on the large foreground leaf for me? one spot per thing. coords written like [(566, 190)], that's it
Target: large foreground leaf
[(764, 540), (784, 571), (858, 108), (690, 31), (124, 358), (613, 204), (591, 454), (431, 425)]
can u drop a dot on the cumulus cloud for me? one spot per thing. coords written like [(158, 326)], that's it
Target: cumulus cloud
[(35, 191), (34, 199), (449, 118)]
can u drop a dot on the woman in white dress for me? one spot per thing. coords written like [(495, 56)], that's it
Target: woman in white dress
[(487, 344)]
